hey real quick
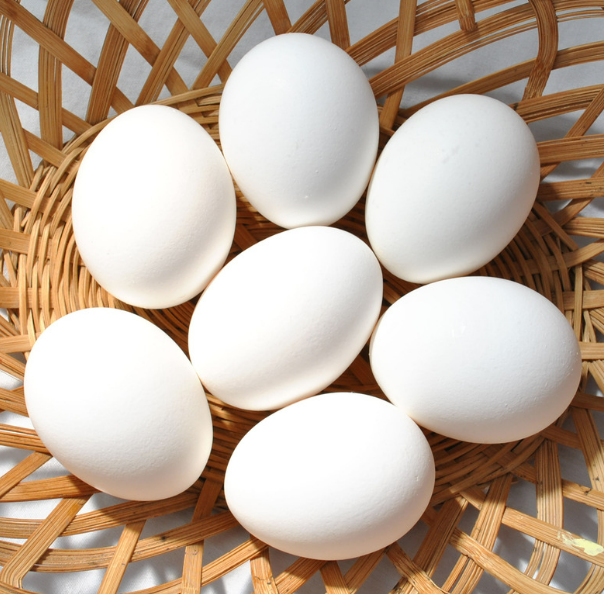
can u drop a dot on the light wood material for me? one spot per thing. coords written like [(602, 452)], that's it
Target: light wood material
[(557, 252)]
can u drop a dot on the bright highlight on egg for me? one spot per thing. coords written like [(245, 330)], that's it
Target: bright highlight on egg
[(286, 317), (347, 474), (477, 359), (116, 401), (299, 129), (153, 207), (451, 188)]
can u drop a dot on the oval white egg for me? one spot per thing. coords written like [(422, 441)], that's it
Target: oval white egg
[(451, 189), (117, 402), (299, 129), (349, 474), (477, 359), (286, 317), (153, 207)]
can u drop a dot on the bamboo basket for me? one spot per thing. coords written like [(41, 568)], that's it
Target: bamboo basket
[(479, 501)]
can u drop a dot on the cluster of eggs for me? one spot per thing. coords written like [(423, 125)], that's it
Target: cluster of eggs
[(154, 215)]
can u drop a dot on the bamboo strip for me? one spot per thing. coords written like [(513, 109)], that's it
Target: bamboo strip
[(550, 501), (15, 344), (246, 16), (558, 539), (297, 574), (123, 553), (433, 547), (485, 532), (50, 85), (333, 579), (586, 227), (404, 46), (110, 517), (454, 45), (430, 15), (48, 152), (214, 570), (277, 13), (547, 29), (109, 66), (234, 558), (163, 65), (17, 194), (361, 569), (582, 125), (14, 241), (79, 560), (190, 18), (27, 555), (56, 46), (566, 57), (22, 470), (467, 18), (54, 488), (192, 567), (590, 351), (26, 95), (338, 23), (15, 140), (571, 148), (138, 38), (313, 19), (571, 190), (10, 124), (405, 566), (262, 575), (498, 567)]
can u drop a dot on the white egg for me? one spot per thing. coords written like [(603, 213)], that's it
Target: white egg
[(153, 207), (299, 129), (117, 402), (347, 474), (478, 359), (452, 187), (286, 317)]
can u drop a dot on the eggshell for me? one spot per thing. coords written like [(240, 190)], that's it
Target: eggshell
[(451, 189), (477, 359), (286, 317), (153, 207), (335, 476), (299, 129), (118, 403)]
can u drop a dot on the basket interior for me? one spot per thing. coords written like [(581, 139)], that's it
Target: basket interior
[(523, 516)]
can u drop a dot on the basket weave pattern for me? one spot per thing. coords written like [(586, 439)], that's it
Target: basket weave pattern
[(45, 279)]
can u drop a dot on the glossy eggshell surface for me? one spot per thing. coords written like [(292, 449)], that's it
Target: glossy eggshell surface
[(153, 207), (286, 317), (478, 359), (299, 129), (343, 475), (451, 188), (117, 402)]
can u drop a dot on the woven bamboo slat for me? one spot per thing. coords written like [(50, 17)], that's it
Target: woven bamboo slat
[(457, 546)]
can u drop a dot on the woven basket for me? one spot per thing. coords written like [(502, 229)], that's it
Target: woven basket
[(495, 521)]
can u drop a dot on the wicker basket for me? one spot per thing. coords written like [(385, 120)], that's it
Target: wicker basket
[(495, 521)]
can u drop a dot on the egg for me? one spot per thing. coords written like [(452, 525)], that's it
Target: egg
[(299, 129), (286, 317), (478, 359), (153, 207), (117, 402), (346, 474), (451, 189)]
